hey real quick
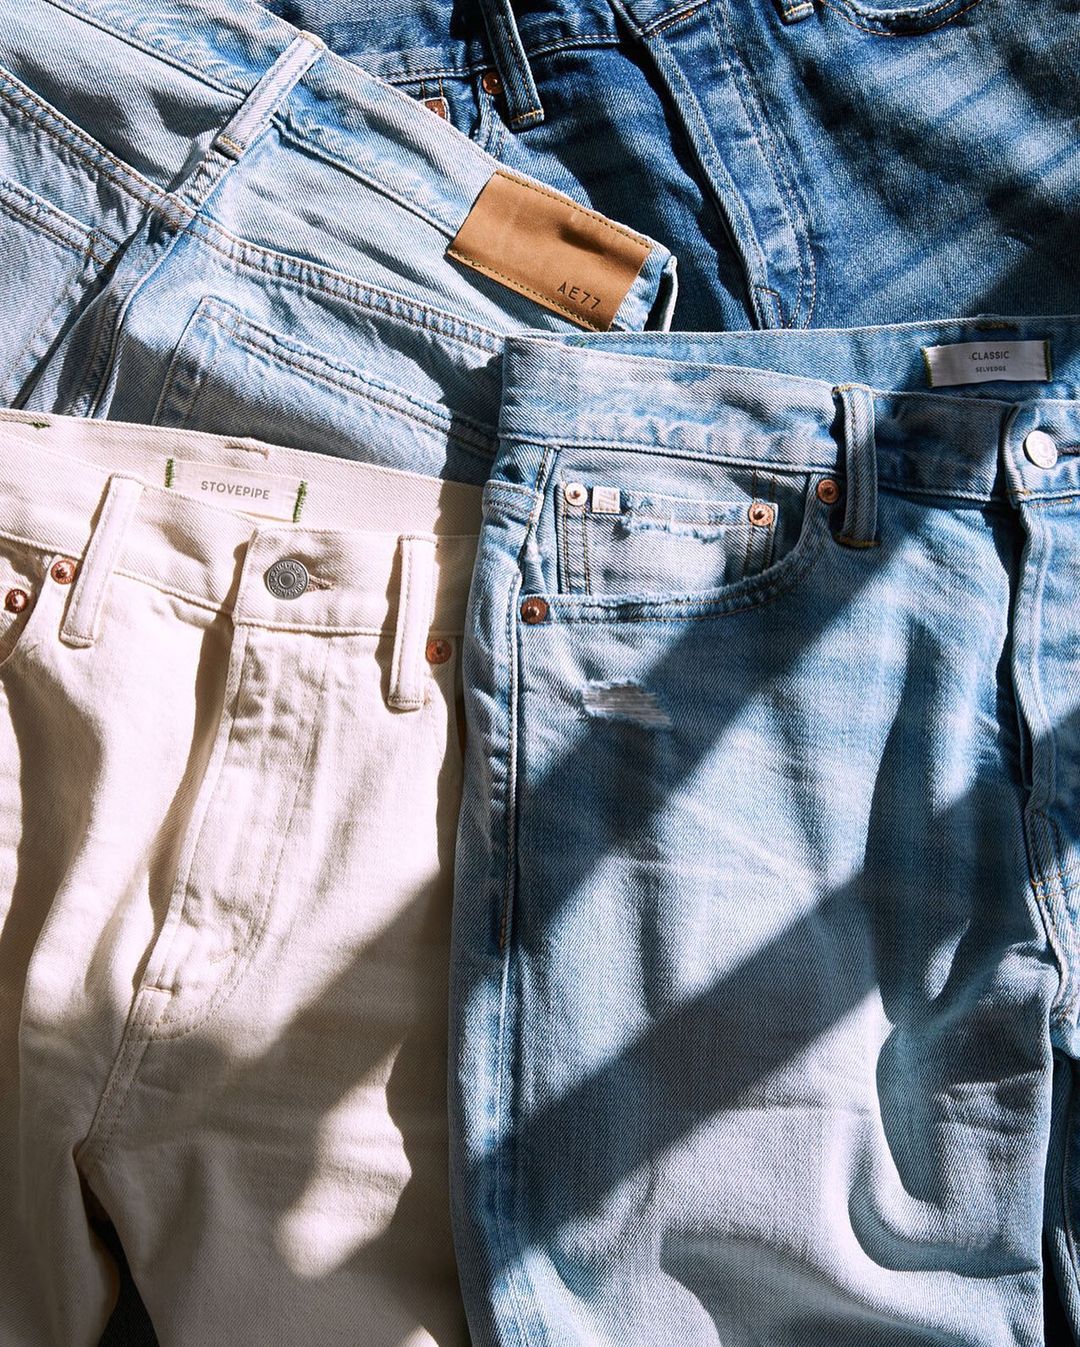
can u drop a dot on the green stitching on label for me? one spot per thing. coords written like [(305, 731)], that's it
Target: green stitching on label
[(170, 471), (1049, 360), (301, 494)]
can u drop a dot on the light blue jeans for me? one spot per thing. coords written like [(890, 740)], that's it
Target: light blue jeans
[(766, 963), (209, 221)]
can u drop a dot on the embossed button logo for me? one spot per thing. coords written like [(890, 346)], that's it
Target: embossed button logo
[(1040, 448), (287, 579)]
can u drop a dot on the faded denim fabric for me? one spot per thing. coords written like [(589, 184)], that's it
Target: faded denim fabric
[(766, 950), (810, 164), (211, 222)]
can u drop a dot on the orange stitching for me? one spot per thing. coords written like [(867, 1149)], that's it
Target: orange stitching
[(581, 319), (908, 32), (312, 276), (52, 122), (921, 13), (672, 19), (317, 366)]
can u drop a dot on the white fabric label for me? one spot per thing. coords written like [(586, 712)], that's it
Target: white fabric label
[(607, 500), (980, 362), (261, 493)]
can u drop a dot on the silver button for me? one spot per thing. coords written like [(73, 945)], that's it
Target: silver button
[(1040, 448), (287, 579), (575, 493)]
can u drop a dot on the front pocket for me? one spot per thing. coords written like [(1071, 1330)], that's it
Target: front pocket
[(687, 574), (48, 260), (618, 536), (901, 20)]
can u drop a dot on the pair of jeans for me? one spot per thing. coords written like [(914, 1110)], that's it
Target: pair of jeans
[(230, 766), (766, 942), (212, 222), (812, 163)]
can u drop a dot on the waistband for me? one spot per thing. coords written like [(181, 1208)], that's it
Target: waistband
[(371, 540), (778, 397), (429, 39), (184, 73)]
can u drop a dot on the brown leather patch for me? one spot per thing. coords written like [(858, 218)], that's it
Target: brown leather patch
[(541, 244)]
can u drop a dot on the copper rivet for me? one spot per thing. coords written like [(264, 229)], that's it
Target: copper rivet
[(63, 571), (438, 651), (492, 83), (534, 610), (16, 600), (438, 107), (760, 513), (828, 491)]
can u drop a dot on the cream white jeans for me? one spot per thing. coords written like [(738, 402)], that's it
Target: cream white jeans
[(229, 780)]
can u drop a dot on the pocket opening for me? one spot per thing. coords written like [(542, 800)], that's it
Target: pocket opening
[(614, 539)]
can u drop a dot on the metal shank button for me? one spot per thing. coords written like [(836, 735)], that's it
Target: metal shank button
[(1040, 448), (287, 579)]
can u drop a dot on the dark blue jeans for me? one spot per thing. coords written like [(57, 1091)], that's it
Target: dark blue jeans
[(811, 164)]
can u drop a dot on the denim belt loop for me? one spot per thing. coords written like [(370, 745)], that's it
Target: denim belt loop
[(415, 609), (252, 117), (521, 98), (82, 620), (860, 466)]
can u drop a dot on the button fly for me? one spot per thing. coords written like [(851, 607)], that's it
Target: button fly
[(287, 579), (1040, 448)]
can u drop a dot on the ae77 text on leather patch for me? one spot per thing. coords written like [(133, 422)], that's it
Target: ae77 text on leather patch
[(569, 259)]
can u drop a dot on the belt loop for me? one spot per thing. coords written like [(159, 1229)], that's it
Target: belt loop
[(520, 95), (82, 620), (860, 466), (415, 609), (252, 117), (791, 11)]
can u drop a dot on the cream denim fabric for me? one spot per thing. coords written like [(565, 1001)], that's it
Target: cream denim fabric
[(226, 833)]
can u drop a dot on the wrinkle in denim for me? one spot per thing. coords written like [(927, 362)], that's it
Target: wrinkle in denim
[(765, 938)]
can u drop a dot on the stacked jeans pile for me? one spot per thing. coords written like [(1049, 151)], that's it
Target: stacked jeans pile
[(539, 786)]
